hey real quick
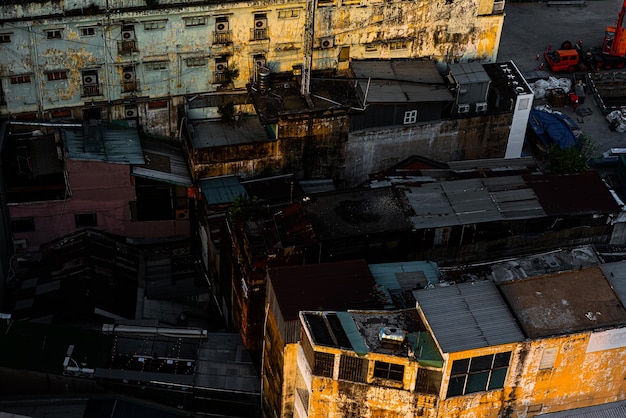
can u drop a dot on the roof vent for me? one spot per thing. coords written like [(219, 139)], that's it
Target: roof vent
[(390, 335)]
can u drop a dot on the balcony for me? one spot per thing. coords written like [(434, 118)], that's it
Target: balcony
[(130, 86), (90, 90), (219, 78), (259, 34), (222, 37), (127, 47)]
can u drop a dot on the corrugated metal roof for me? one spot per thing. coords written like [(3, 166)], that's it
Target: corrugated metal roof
[(513, 197), (469, 72), (352, 332), (106, 143), (165, 162), (217, 134), (608, 410), (220, 190), (431, 206), (401, 81), (471, 201), (390, 274), (467, 316), (616, 275), (494, 163)]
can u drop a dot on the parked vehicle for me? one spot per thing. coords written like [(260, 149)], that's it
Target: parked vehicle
[(562, 60)]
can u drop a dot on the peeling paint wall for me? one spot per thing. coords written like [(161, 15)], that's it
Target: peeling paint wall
[(177, 50)]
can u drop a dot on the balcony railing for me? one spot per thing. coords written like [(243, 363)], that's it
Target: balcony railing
[(222, 37), (92, 90), (259, 34), (130, 86), (219, 78), (127, 47)]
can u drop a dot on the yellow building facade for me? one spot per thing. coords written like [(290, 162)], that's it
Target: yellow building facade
[(515, 349)]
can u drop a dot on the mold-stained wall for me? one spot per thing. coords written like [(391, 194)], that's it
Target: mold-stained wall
[(118, 54)]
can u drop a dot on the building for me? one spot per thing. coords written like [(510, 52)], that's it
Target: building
[(524, 347), (340, 285), (59, 179), (116, 60)]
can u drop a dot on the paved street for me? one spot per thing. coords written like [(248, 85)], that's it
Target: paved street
[(529, 28)]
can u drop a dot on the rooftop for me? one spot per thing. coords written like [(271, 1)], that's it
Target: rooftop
[(356, 212), (221, 190), (164, 162), (400, 81), (563, 303), (104, 142), (338, 286), (474, 316), (395, 333), (246, 130)]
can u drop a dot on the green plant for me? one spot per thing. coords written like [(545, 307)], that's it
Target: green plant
[(571, 159), (244, 208), (230, 75)]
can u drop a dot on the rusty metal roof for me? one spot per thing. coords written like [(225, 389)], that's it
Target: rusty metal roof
[(564, 303), (221, 190), (467, 316), (575, 193), (616, 275), (334, 286), (607, 410), (246, 130)]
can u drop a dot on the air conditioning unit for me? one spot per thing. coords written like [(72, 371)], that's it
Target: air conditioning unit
[(260, 24), (182, 214), (463, 108), (481, 107), (128, 75), (221, 25), (128, 35), (89, 79), (327, 42), (220, 66), (131, 112)]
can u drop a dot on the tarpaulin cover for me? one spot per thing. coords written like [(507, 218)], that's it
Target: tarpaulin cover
[(553, 128)]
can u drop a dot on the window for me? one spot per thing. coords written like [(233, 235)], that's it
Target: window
[(22, 225), (86, 220), (389, 371), (54, 34), (5, 38), (288, 14), (156, 66), (324, 364), (410, 117), (57, 75), (478, 374), (548, 358), (155, 25), (353, 369), (159, 104), (428, 381), (195, 21), (88, 31), (398, 45), (20, 79), (196, 62), (344, 54), (371, 48)]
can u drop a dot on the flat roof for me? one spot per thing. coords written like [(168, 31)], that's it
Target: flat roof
[(104, 142), (400, 81), (246, 130), (468, 72), (468, 316), (356, 213), (564, 303), (338, 286)]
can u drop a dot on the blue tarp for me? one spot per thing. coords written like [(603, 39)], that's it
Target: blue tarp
[(553, 128)]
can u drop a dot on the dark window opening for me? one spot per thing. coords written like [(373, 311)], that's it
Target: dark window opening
[(86, 220), (389, 371), (478, 374), (324, 364), (353, 369), (22, 225)]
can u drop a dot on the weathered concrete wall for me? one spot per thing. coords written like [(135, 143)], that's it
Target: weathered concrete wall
[(445, 140), (91, 35)]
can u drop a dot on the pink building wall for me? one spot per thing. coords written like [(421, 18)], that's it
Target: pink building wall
[(97, 187)]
